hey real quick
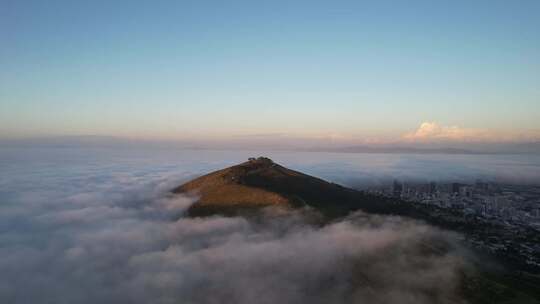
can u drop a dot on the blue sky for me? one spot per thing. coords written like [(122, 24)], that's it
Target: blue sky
[(347, 69)]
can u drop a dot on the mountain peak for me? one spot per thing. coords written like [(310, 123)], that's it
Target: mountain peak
[(260, 182)]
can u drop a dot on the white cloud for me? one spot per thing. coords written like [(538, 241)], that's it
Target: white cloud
[(434, 131)]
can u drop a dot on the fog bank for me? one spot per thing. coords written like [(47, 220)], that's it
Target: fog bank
[(115, 235)]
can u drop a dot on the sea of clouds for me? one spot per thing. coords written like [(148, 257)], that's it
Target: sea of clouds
[(103, 230)]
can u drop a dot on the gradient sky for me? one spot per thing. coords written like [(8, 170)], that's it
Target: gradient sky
[(175, 69)]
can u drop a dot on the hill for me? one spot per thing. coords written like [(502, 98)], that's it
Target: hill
[(261, 182)]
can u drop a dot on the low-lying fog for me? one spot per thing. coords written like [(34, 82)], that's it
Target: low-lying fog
[(98, 226)]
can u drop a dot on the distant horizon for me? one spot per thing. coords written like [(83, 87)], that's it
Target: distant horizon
[(426, 132), (279, 143)]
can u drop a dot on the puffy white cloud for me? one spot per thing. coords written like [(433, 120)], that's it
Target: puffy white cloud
[(434, 131)]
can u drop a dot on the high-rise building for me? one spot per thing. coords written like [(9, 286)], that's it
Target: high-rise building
[(432, 187), (455, 187), (397, 188)]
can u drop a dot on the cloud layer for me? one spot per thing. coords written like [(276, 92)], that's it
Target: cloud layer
[(122, 239)]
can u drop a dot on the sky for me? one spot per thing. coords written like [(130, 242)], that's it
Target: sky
[(351, 71)]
